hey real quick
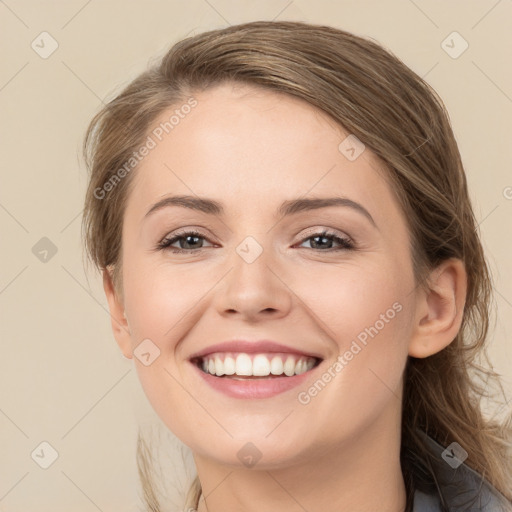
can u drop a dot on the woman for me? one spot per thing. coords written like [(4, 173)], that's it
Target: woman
[(288, 248)]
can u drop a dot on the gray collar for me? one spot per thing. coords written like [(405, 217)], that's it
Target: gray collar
[(460, 488)]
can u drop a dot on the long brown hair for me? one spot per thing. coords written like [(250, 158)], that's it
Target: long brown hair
[(396, 114)]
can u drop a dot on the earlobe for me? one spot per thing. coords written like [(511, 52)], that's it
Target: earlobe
[(439, 311), (118, 320)]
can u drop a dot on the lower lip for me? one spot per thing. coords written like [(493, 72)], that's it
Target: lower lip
[(254, 388)]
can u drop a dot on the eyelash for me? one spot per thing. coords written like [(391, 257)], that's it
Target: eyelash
[(165, 244)]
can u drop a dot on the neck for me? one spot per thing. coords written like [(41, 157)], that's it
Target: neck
[(362, 473)]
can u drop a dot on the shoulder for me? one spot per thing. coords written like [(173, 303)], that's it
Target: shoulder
[(460, 488), (426, 502), (488, 502)]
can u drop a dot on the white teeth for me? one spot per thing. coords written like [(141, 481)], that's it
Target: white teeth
[(289, 366), (303, 366), (219, 366), (276, 366), (243, 365), (229, 366), (260, 365)]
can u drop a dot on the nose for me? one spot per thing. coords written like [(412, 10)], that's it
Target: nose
[(254, 291)]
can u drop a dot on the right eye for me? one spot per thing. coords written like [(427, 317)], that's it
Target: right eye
[(184, 238)]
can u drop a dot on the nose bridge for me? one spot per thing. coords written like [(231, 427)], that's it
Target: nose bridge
[(252, 287), (252, 260)]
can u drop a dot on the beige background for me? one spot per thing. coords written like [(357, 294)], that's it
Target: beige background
[(62, 378)]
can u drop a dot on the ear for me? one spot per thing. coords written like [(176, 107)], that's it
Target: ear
[(120, 326), (439, 311)]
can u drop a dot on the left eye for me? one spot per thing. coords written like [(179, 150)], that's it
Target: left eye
[(189, 239), (319, 239)]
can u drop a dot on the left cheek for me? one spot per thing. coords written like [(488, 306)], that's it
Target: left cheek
[(384, 352), (373, 360), (351, 303)]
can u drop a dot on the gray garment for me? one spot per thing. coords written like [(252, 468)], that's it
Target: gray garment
[(463, 489)]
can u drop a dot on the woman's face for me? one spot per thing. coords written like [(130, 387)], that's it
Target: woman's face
[(260, 269)]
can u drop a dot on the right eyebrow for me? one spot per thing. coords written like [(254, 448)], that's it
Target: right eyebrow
[(204, 205)]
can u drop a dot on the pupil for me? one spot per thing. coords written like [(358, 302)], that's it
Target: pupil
[(323, 238), (187, 238)]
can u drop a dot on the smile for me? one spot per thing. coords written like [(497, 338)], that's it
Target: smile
[(242, 375)]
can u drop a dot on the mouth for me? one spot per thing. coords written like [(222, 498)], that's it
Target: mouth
[(243, 375), (242, 366)]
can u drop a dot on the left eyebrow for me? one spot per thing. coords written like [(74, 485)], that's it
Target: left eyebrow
[(299, 205), (289, 207)]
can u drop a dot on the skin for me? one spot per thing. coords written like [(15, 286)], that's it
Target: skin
[(252, 149)]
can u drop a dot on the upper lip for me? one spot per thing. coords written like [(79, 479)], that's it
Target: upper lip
[(252, 347)]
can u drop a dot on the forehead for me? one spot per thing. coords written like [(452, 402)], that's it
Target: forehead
[(252, 148)]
